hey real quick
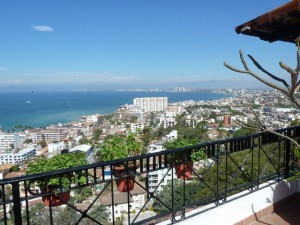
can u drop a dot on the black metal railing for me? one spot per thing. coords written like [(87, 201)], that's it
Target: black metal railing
[(236, 165)]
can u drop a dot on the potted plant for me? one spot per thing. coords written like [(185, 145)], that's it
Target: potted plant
[(57, 185), (183, 160), (119, 147)]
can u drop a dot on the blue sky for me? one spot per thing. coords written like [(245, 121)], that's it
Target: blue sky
[(100, 45)]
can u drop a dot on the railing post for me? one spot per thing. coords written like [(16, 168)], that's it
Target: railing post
[(17, 203), (287, 155)]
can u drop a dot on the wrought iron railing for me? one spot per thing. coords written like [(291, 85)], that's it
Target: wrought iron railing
[(231, 166)]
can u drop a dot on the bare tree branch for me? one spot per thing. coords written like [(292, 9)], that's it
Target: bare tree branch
[(298, 61), (248, 71), (289, 89), (262, 127), (268, 73), (287, 68), (244, 61)]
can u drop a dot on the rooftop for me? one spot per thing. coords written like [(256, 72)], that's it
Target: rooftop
[(279, 24), (244, 175)]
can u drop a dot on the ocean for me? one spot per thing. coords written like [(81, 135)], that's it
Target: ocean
[(39, 109)]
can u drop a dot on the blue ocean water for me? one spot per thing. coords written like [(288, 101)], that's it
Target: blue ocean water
[(38, 109)]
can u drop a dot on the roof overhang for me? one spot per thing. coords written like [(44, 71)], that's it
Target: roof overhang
[(280, 24)]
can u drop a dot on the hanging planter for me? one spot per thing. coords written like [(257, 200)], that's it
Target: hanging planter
[(121, 147), (187, 152), (55, 199), (125, 177), (184, 170), (57, 187)]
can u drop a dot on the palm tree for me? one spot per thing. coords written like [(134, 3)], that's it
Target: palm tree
[(99, 213)]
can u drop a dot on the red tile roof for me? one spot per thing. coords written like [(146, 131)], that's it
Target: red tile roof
[(280, 24)]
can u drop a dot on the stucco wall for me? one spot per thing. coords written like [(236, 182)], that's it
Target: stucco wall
[(241, 208)]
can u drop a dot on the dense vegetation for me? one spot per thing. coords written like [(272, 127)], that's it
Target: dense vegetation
[(226, 174)]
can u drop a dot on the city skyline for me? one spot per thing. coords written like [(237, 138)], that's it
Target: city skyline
[(103, 45)]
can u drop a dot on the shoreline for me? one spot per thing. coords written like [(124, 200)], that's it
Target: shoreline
[(42, 109)]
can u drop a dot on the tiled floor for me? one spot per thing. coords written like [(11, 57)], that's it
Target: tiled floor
[(288, 214)]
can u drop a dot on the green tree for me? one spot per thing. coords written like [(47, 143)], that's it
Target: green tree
[(146, 135), (82, 194), (37, 215), (133, 119), (27, 141), (133, 145), (84, 140), (160, 132), (179, 143), (224, 174), (243, 132), (213, 115), (43, 143), (12, 146), (165, 196), (15, 168), (67, 216), (119, 146), (96, 135), (295, 122), (99, 213)]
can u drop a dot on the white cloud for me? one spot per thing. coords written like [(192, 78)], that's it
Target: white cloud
[(42, 28)]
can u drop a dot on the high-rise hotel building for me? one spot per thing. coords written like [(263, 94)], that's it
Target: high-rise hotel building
[(152, 104)]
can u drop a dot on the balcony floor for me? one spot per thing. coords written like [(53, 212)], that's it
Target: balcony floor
[(285, 215)]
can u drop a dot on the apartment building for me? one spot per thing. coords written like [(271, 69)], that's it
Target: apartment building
[(134, 127), (151, 104), (50, 135), (16, 158), (90, 118), (158, 179), (136, 202), (56, 148), (7, 140)]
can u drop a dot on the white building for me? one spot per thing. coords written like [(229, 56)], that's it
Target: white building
[(136, 202), (155, 179), (90, 118), (134, 127), (6, 140), (84, 148), (173, 110), (244, 119), (158, 179), (167, 121), (171, 136), (16, 158), (56, 147), (50, 135), (155, 148), (152, 104)]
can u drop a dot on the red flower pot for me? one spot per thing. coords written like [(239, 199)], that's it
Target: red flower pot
[(126, 183), (184, 170), (55, 199)]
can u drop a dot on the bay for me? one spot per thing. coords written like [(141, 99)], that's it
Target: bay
[(39, 109)]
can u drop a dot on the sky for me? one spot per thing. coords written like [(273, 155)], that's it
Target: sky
[(56, 45)]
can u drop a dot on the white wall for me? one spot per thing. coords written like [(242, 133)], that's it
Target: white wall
[(239, 209)]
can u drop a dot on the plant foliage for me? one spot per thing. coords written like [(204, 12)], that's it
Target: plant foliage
[(118, 147), (59, 162)]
